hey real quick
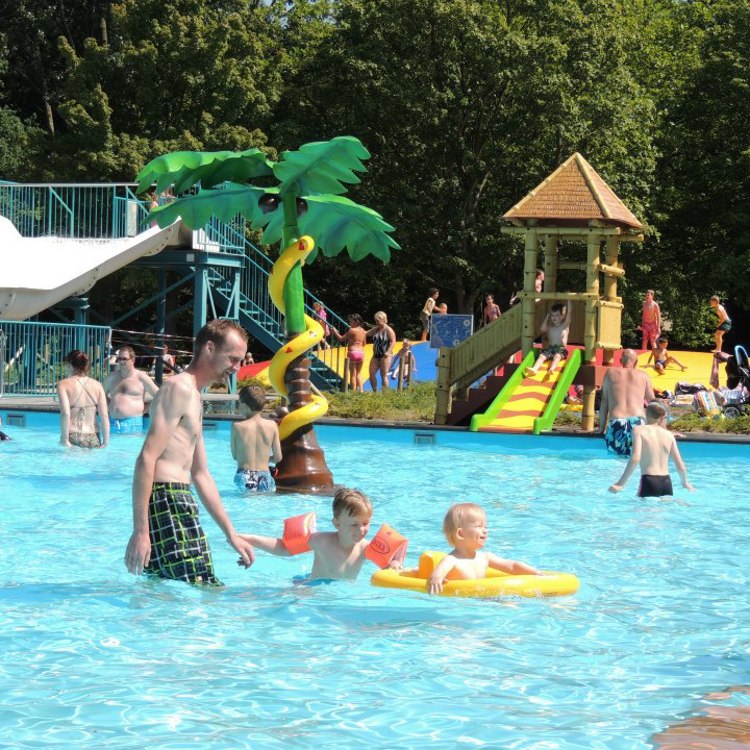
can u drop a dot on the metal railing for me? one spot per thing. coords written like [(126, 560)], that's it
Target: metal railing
[(32, 355), (78, 211), (111, 211)]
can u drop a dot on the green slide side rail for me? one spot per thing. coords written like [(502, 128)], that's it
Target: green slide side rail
[(553, 405), (481, 420)]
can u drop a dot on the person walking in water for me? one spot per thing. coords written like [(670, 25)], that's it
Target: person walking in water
[(126, 390), (624, 392), (82, 399), (168, 540)]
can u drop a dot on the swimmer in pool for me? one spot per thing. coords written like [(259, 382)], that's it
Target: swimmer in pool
[(254, 440), (653, 446), (340, 553), (465, 527)]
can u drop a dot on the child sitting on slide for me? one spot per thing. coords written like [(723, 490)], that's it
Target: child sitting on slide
[(465, 527), (340, 553), (556, 325)]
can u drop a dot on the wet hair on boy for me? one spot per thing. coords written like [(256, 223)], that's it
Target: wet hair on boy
[(656, 411), (253, 397), (351, 501)]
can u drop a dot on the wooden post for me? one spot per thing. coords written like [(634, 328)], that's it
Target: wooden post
[(610, 288), (550, 263), (528, 309), (443, 386), (346, 372), (590, 326)]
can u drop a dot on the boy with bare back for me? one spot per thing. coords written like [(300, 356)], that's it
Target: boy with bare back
[(254, 440), (653, 446), (556, 325)]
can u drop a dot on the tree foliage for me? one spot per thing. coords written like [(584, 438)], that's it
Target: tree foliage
[(465, 105)]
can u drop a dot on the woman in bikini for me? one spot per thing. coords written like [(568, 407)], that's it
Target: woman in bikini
[(81, 399), (383, 341), (354, 338)]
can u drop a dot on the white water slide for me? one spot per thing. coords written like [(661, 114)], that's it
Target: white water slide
[(38, 272)]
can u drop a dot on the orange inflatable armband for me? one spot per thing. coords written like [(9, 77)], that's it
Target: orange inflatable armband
[(297, 530), (387, 545)]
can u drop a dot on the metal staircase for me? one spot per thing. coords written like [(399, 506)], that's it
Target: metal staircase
[(232, 271)]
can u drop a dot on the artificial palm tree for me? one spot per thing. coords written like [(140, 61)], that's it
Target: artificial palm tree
[(307, 200)]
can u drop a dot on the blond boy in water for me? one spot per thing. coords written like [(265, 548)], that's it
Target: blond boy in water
[(340, 553), (465, 527)]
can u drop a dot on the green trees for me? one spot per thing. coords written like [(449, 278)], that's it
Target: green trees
[(464, 104)]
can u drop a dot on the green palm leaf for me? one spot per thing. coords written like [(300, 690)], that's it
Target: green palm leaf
[(187, 168), (336, 223), (321, 167), (224, 203)]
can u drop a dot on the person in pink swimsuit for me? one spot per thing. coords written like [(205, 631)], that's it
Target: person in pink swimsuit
[(354, 338)]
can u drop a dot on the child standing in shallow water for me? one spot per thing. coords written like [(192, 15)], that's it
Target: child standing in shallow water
[(465, 527), (653, 446), (254, 441)]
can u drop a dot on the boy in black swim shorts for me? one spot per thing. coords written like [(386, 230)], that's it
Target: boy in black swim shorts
[(653, 446)]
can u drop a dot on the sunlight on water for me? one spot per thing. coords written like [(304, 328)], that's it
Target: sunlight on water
[(92, 657)]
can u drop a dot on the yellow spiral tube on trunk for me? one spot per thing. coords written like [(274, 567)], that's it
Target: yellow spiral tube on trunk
[(296, 347)]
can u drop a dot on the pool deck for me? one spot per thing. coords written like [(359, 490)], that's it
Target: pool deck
[(49, 404)]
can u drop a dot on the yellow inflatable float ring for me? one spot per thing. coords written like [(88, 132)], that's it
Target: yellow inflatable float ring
[(495, 584)]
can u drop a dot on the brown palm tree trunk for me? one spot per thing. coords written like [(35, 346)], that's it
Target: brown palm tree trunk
[(303, 467)]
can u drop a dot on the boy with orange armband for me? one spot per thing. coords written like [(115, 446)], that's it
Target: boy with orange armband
[(340, 553)]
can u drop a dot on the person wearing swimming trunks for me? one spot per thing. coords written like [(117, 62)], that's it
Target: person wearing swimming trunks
[(724, 325), (624, 391), (355, 339), (127, 390), (167, 538), (556, 325), (653, 447), (383, 341), (655, 486), (650, 321), (663, 357), (254, 440), (82, 400)]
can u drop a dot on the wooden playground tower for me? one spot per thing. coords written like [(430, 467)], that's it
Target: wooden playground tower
[(573, 205)]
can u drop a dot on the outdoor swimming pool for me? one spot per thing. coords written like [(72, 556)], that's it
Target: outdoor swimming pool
[(92, 657)]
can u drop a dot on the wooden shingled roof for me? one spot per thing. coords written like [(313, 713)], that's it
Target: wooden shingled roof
[(573, 195)]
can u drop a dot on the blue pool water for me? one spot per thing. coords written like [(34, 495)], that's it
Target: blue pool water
[(92, 657)]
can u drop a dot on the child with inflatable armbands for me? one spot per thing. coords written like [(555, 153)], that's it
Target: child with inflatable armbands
[(340, 553), (465, 527), (254, 440)]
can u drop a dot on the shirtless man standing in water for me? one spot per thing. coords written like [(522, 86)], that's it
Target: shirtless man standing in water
[(167, 538), (126, 390), (625, 390)]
